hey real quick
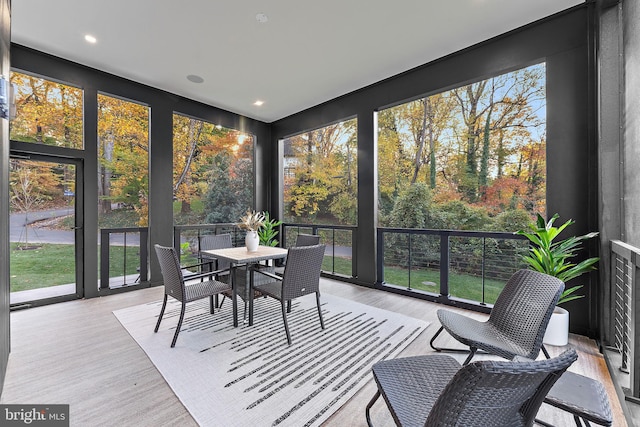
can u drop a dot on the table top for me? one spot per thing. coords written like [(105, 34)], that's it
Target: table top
[(241, 255)]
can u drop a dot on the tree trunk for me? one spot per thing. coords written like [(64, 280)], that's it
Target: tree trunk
[(104, 178), (417, 163)]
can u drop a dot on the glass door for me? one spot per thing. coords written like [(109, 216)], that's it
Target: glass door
[(44, 230)]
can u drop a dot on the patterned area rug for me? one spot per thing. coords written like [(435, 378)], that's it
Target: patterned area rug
[(249, 376)]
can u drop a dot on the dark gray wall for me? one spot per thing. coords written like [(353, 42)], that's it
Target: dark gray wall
[(619, 135), (5, 338), (162, 105), (631, 122), (564, 42), (610, 87)]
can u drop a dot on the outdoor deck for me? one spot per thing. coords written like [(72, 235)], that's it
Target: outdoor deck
[(78, 353)]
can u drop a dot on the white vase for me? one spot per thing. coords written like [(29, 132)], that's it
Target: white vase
[(558, 329), (251, 241)]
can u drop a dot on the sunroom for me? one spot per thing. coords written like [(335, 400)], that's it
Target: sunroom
[(416, 179)]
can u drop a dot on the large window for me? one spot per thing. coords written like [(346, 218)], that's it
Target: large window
[(123, 186), (320, 185), (212, 172), (123, 150), (472, 158), (46, 112)]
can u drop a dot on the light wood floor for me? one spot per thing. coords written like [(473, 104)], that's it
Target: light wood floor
[(77, 353)]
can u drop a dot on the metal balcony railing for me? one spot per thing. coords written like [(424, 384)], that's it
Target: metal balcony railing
[(121, 270), (465, 268), (340, 256), (186, 238), (624, 324), (452, 267)]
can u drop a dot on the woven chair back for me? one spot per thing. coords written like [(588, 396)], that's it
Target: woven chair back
[(498, 393), (171, 271), (523, 309), (217, 241), (302, 272), (307, 240)]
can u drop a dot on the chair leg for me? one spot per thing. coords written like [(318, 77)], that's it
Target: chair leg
[(546, 353), (472, 352), (212, 303), (319, 309), (286, 325), (434, 338), (289, 306), (175, 336), (164, 304), (453, 350), (369, 405)]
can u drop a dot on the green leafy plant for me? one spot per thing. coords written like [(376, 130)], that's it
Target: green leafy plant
[(269, 230), (184, 248), (554, 258)]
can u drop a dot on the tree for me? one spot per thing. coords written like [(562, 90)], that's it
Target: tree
[(469, 103), (324, 169), (47, 112), (230, 191), (30, 185), (123, 147)]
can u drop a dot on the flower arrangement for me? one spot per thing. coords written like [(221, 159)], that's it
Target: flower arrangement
[(252, 221)]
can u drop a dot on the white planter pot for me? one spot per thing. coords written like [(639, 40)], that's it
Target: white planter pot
[(558, 329), (251, 241)]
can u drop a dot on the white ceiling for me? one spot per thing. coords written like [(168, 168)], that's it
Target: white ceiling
[(306, 53)]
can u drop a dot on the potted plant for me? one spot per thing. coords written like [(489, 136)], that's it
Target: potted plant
[(269, 230), (555, 258)]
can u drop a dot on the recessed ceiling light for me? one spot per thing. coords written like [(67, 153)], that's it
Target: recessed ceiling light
[(258, 103), (262, 18), (195, 79), (90, 38)]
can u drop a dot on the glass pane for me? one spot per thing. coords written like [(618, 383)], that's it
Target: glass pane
[(471, 158), (123, 184), (320, 175), (47, 112), (212, 172), (42, 233)]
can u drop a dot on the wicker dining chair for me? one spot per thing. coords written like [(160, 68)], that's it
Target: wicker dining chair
[(174, 285), (216, 241), (517, 322), (301, 240), (307, 239), (301, 277), (435, 390)]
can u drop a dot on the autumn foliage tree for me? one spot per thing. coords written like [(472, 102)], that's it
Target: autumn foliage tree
[(321, 183), (123, 152), (481, 144), (49, 112), (213, 164)]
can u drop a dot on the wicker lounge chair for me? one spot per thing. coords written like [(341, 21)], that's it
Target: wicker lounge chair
[(301, 277), (517, 322), (435, 390), (174, 285)]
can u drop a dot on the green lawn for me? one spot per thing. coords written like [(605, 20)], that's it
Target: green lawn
[(460, 285), (53, 265)]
